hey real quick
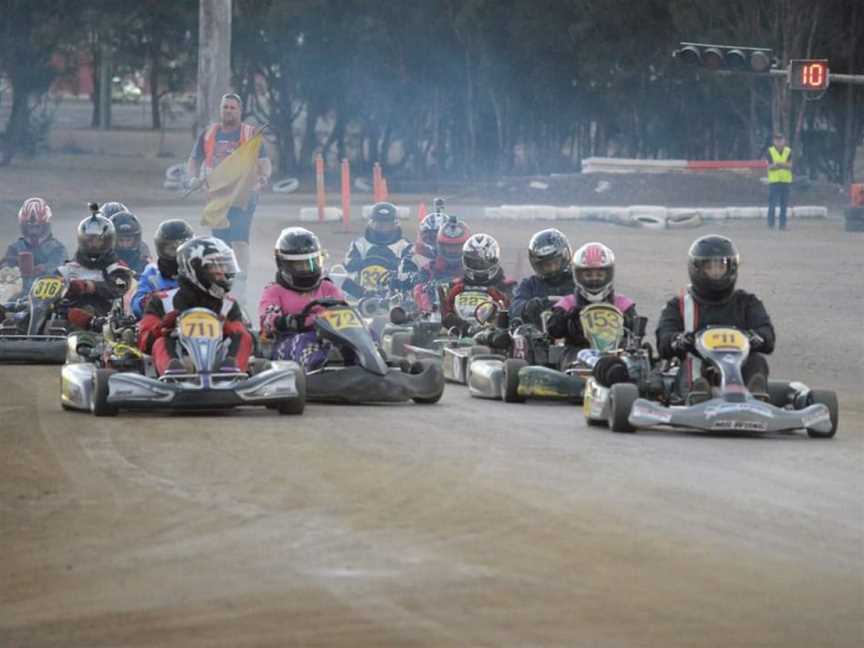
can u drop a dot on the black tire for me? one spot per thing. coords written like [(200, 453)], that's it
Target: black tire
[(621, 399), (295, 405), (101, 407), (511, 380), (778, 392), (431, 365), (828, 398)]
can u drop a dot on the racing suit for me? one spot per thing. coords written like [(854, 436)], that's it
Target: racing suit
[(153, 279), (388, 253), (543, 290), (138, 259), (93, 287), (742, 310), (293, 340), (564, 322), (499, 289), (160, 318), (48, 255), (425, 282)]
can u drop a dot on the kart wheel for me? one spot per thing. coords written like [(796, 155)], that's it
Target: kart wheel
[(779, 393), (101, 407), (297, 404), (621, 399), (829, 399), (511, 380), (428, 365)]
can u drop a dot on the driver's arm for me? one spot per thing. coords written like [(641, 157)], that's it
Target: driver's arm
[(354, 258), (759, 321), (669, 325)]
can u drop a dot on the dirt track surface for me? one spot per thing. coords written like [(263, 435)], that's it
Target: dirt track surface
[(463, 523)]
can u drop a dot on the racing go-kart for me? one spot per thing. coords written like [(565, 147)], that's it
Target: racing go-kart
[(35, 328), (370, 379), (102, 390), (730, 407)]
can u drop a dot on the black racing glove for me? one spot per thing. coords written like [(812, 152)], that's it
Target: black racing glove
[(683, 342), (756, 340), (574, 327), (534, 307), (287, 324)]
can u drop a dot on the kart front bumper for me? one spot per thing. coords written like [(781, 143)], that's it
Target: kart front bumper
[(357, 385)]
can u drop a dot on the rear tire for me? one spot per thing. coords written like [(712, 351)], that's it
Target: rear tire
[(778, 392), (621, 399), (295, 405), (511, 380), (430, 365), (101, 407), (828, 398)]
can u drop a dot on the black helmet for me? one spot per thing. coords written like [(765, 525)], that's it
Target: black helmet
[(108, 209), (208, 264), (169, 235), (95, 238), (383, 227), (713, 267), (128, 229), (549, 254), (299, 259)]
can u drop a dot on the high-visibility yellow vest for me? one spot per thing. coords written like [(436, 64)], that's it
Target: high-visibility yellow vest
[(779, 175)]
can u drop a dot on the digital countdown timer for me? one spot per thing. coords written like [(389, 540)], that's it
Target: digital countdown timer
[(808, 74)]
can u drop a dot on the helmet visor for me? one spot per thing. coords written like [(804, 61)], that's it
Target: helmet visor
[(549, 267), (35, 230), (222, 265), (300, 267), (94, 245), (478, 264), (594, 279), (167, 249), (127, 243), (715, 268)]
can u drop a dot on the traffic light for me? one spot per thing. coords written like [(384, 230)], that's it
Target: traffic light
[(809, 74), (724, 57)]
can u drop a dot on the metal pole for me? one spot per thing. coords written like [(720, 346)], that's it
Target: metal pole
[(214, 58)]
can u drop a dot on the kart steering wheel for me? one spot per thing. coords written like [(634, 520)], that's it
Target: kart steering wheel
[(326, 302)]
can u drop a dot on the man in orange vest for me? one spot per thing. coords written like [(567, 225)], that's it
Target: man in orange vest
[(779, 179), (216, 143)]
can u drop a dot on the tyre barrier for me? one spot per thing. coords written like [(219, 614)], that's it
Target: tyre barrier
[(683, 219), (401, 211), (176, 172), (310, 214), (648, 216), (288, 185)]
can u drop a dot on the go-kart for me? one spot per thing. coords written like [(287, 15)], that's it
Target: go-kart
[(104, 391), (730, 407), (34, 329), (615, 349), (370, 379)]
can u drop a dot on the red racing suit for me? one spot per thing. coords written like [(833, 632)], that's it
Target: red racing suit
[(160, 318)]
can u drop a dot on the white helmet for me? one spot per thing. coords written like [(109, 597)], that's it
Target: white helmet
[(594, 271), (481, 258)]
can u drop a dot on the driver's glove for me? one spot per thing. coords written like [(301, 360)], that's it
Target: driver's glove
[(534, 307), (192, 184), (756, 340), (287, 324), (98, 323), (683, 342)]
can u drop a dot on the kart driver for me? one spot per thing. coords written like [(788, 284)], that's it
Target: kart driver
[(382, 241), (161, 275), (34, 220), (550, 256), (299, 281), (130, 248), (712, 300), (447, 263), (206, 268)]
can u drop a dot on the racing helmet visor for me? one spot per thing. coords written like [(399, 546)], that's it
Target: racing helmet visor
[(594, 279)]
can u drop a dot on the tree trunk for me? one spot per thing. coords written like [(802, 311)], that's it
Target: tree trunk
[(214, 58), (847, 169), (155, 60)]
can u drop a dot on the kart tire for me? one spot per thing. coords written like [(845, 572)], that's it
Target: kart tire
[(779, 392), (621, 399), (511, 380), (100, 394), (828, 398), (296, 404), (430, 365)]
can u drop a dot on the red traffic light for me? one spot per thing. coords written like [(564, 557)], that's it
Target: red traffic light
[(809, 74)]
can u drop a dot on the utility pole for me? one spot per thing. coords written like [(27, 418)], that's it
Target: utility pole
[(214, 58), (106, 74)]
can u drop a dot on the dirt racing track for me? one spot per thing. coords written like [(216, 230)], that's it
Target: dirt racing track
[(466, 523)]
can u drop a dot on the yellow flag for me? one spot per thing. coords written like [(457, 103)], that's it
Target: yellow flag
[(231, 182)]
